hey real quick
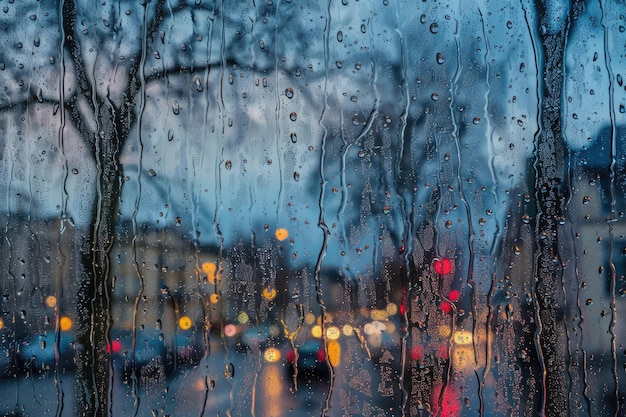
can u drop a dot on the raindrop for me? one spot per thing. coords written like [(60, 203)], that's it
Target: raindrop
[(595, 56), (482, 221), (387, 210), (296, 176), (363, 28), (264, 82), (74, 171), (589, 301), (293, 116), (522, 67), (298, 72), (39, 95), (228, 164), (423, 18), (289, 92), (230, 370), (262, 44), (434, 28), (294, 137), (440, 58), (152, 172), (619, 80), (170, 135), (355, 121), (175, 107), (434, 96), (339, 64), (177, 221), (357, 65), (198, 84), (586, 199), (37, 41), (353, 99), (509, 24), (340, 36), (476, 120), (622, 109), (361, 153), (156, 55), (448, 224), (526, 218), (231, 79)]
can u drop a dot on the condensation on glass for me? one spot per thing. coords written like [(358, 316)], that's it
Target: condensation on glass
[(287, 208)]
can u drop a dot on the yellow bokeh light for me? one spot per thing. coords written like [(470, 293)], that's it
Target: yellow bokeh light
[(210, 269), (316, 331), (1, 324), (185, 323), (51, 301), (462, 337), (214, 298), (392, 309), (269, 293), (334, 353), (347, 330), (242, 317), (65, 323), (281, 234), (380, 315), (271, 355), (444, 331), (309, 318), (333, 333)]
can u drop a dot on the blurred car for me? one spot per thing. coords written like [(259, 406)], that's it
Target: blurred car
[(146, 359), (44, 352), (261, 337), (309, 360)]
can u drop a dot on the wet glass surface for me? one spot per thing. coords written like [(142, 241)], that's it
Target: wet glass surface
[(286, 208)]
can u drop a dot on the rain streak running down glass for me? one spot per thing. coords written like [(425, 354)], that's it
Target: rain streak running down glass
[(282, 208)]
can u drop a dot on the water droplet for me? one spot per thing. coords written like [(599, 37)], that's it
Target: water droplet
[(526, 218), (387, 210), (152, 172), (74, 171), (156, 55), (516, 250), (434, 27), (448, 224), (482, 221), (231, 79), (264, 82), (293, 137), (177, 221), (595, 56), (622, 109), (619, 80), (357, 65), (340, 36), (586, 199), (439, 57), (298, 72), (522, 67), (289, 92), (353, 99), (296, 176), (198, 84), (170, 135), (262, 44), (228, 164), (363, 28), (509, 24), (293, 116), (361, 153), (589, 301), (37, 41), (339, 64), (434, 96), (175, 107), (355, 121), (39, 95)]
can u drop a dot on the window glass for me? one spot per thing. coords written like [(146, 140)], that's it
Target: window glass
[(287, 208)]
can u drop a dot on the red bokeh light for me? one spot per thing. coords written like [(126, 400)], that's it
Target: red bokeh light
[(445, 306), (442, 266), (114, 347), (454, 296)]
